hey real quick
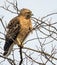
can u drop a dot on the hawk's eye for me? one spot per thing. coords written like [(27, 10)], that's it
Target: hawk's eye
[(28, 16)]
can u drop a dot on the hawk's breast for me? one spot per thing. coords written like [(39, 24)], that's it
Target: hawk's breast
[(24, 31)]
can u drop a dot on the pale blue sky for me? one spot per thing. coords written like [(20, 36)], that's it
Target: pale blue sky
[(39, 8)]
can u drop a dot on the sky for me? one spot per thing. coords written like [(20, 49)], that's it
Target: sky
[(39, 8)]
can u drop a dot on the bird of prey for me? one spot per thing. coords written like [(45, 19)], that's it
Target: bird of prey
[(18, 29)]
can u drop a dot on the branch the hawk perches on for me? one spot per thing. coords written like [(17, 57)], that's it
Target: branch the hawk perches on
[(18, 29)]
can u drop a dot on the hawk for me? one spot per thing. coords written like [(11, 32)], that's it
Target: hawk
[(18, 29)]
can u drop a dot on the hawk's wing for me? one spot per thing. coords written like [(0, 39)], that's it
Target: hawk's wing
[(13, 30)]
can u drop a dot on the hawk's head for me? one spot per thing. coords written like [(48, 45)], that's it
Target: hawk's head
[(26, 13)]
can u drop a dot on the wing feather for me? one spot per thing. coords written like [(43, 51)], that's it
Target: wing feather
[(13, 31)]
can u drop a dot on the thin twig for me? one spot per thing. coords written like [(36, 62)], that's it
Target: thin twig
[(11, 61), (2, 24), (8, 10), (33, 59), (40, 52), (48, 15), (21, 57)]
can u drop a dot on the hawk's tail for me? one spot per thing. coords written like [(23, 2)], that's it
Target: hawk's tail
[(8, 50)]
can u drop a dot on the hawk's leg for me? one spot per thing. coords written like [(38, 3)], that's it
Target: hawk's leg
[(19, 43)]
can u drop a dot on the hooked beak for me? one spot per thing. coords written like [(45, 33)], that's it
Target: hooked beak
[(31, 14)]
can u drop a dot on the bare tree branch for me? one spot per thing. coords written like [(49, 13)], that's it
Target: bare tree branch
[(21, 57)]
